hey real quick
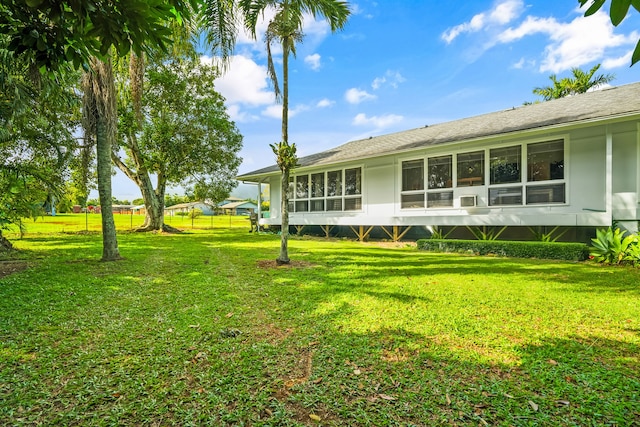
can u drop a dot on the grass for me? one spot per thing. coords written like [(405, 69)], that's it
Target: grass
[(195, 329)]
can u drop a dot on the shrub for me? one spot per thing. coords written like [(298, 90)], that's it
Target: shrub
[(613, 247), (515, 249), (195, 213)]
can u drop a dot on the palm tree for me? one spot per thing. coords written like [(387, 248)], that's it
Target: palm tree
[(581, 82), (101, 121), (286, 28)]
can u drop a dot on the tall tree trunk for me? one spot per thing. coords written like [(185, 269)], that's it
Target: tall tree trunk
[(283, 258), (153, 199), (100, 118), (110, 250)]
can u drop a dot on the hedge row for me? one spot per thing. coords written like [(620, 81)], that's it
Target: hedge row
[(514, 249)]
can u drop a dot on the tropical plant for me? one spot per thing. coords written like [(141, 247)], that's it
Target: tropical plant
[(438, 234), (486, 233), (285, 28), (542, 235), (581, 82), (613, 246), (286, 159)]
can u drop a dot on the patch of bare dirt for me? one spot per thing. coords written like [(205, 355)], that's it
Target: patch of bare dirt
[(10, 267), (271, 263)]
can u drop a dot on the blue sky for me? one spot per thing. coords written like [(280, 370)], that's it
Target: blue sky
[(399, 65)]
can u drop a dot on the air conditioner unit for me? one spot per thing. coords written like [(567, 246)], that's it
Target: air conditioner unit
[(468, 201)]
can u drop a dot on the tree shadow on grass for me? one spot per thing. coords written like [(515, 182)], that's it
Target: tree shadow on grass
[(392, 377)]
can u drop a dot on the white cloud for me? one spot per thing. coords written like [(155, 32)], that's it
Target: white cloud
[(324, 103), (377, 121), (518, 65), (275, 111), (245, 82), (315, 30), (238, 115), (579, 42), (622, 61), (356, 96), (392, 78), (313, 61), (501, 14)]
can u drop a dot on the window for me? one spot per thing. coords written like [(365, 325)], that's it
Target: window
[(336, 190), (545, 194), (302, 186), (302, 193), (505, 165), (440, 199), (317, 185), (408, 201), (317, 192), (545, 161), (439, 176), (413, 175), (439, 172), (505, 196), (470, 169), (353, 189), (334, 183), (352, 181)]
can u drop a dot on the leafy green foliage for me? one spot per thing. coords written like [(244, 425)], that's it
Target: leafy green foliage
[(195, 213), (615, 247), (55, 32), (515, 249), (581, 82), (37, 121), (184, 135)]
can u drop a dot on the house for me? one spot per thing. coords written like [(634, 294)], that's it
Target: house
[(122, 209), (571, 163), (185, 208), (243, 207), (231, 199)]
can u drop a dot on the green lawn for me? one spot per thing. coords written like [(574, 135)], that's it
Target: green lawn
[(199, 329)]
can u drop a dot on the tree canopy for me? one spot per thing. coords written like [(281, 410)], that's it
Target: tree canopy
[(37, 120), (183, 134), (55, 32), (581, 82)]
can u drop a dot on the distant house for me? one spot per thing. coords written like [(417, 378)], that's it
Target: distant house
[(122, 209), (185, 208), (139, 210), (243, 207), (572, 163), (231, 199)]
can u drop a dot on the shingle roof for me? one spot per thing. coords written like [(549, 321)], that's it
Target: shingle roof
[(593, 106)]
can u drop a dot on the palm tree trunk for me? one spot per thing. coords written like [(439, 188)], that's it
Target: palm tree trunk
[(283, 258), (101, 118), (110, 250)]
